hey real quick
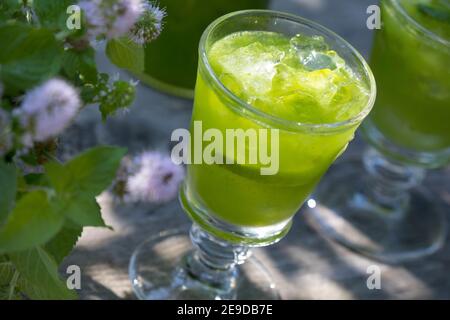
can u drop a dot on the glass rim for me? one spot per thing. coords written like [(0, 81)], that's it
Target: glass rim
[(418, 26), (290, 125)]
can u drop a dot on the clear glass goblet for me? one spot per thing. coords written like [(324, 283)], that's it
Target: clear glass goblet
[(234, 207), (384, 213)]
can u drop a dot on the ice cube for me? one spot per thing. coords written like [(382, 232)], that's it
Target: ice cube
[(313, 53), (319, 83), (301, 43), (304, 96), (253, 66), (317, 61)]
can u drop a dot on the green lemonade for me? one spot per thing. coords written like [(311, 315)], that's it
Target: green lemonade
[(413, 74), (295, 79)]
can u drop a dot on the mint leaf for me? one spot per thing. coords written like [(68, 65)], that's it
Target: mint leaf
[(121, 95), (6, 271), (51, 13), (85, 211), (9, 8), (58, 176), (63, 243), (81, 208), (125, 54), (5, 294), (90, 173), (80, 180), (39, 275), (36, 179), (80, 64), (111, 96), (32, 222), (28, 56), (8, 187)]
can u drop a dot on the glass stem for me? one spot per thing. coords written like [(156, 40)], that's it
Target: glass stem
[(213, 262), (388, 183)]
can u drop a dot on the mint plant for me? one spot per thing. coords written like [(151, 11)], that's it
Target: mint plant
[(47, 75)]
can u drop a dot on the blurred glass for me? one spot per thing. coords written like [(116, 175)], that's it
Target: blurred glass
[(169, 63), (384, 213)]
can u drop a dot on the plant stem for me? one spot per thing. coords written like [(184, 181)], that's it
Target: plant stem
[(52, 157), (12, 285), (62, 35)]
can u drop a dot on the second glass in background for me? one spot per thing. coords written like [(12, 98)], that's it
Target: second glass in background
[(385, 213), (169, 63)]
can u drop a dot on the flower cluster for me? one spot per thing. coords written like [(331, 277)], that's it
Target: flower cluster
[(37, 103), (149, 177), (115, 93), (149, 26), (47, 110), (138, 19), (110, 18)]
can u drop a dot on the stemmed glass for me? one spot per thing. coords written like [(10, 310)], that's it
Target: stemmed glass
[(384, 213), (233, 207)]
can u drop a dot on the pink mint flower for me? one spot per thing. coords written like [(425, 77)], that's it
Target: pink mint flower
[(110, 18), (149, 25), (47, 110), (155, 179)]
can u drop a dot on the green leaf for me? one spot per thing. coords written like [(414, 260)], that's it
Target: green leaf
[(81, 179), (8, 279), (6, 271), (91, 92), (36, 179), (58, 176), (9, 8), (32, 222), (8, 187), (39, 275), (126, 54), (121, 95), (81, 208), (28, 56), (63, 243), (85, 211), (5, 294), (80, 64), (90, 173), (51, 13), (88, 93)]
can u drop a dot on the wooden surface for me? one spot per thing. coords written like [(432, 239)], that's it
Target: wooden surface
[(304, 265)]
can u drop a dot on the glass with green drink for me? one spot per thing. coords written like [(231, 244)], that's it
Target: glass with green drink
[(385, 214), (281, 87)]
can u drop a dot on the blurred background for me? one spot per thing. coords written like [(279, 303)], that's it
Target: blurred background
[(304, 265)]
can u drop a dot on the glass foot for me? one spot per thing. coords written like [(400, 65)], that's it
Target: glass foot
[(164, 87), (157, 272), (340, 211)]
